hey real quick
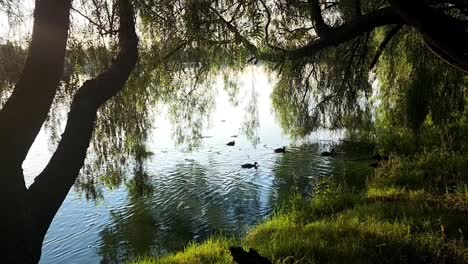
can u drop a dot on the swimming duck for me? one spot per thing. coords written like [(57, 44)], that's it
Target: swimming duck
[(331, 153), (280, 150), (232, 143), (249, 165)]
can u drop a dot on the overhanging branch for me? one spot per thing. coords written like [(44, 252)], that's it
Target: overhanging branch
[(346, 32), (384, 44), (273, 57), (446, 36)]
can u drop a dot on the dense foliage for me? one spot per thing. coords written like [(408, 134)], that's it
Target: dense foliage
[(384, 82)]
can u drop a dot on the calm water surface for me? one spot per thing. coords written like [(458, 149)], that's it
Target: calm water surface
[(197, 192)]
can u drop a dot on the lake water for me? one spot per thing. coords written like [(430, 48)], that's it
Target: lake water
[(195, 192)]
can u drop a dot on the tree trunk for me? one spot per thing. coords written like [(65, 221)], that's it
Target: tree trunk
[(28, 213), (26, 110), (21, 119)]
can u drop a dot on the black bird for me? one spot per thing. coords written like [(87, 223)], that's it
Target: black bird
[(331, 153), (232, 143), (249, 165), (240, 256), (280, 150)]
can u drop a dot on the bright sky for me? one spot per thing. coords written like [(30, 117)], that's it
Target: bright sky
[(15, 33), (20, 30)]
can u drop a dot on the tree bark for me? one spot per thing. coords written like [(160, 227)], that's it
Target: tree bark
[(26, 110), (21, 119), (28, 213), (51, 187)]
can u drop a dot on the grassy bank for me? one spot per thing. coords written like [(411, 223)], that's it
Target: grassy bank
[(414, 210)]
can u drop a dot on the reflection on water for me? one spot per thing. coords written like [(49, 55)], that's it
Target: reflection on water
[(169, 194)]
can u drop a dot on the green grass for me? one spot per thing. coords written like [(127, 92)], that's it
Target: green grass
[(215, 250), (413, 211), (434, 171)]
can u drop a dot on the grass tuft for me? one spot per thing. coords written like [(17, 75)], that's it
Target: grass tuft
[(214, 250)]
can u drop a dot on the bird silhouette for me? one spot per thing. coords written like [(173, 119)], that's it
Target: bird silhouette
[(249, 165), (280, 150)]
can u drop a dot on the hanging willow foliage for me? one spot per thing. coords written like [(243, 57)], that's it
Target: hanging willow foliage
[(418, 88)]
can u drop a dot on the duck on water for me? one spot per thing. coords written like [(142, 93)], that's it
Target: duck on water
[(280, 150), (232, 143), (249, 165)]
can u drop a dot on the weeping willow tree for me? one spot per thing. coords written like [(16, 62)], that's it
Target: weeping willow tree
[(326, 54), (324, 51), (81, 54), (421, 96)]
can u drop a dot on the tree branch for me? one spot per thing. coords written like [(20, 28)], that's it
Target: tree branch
[(244, 41), (100, 27), (316, 14), (267, 25), (384, 44), (446, 36), (51, 187), (346, 32), (251, 47), (357, 8), (332, 37)]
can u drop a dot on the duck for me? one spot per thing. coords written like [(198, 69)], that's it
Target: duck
[(249, 165), (232, 143), (280, 150), (330, 153)]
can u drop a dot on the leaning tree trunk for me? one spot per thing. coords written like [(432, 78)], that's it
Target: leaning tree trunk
[(29, 212), (21, 119)]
